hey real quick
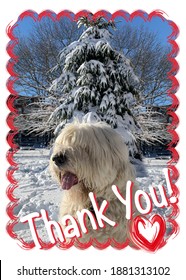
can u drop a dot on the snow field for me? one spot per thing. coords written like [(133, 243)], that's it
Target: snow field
[(37, 190)]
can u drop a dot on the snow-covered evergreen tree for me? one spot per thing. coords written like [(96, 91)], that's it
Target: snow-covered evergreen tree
[(97, 82)]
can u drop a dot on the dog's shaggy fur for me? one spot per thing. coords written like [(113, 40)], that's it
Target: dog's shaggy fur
[(91, 157)]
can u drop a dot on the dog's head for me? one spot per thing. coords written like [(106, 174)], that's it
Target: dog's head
[(91, 154)]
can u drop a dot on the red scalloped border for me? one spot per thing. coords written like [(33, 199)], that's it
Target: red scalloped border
[(13, 113)]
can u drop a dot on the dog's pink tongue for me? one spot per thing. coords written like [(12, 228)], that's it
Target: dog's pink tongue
[(68, 180)]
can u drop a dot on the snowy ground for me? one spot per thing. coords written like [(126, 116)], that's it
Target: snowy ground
[(38, 191)]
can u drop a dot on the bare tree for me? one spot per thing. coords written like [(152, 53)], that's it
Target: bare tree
[(149, 59), (39, 52)]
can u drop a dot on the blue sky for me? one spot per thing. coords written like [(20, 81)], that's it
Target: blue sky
[(156, 25), (161, 28)]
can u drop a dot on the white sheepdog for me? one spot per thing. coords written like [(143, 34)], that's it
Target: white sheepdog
[(91, 157)]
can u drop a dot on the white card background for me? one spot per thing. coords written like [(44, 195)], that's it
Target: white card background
[(174, 253)]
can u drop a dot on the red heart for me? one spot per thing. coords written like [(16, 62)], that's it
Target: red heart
[(158, 237)]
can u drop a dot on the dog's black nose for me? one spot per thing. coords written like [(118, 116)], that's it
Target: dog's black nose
[(59, 159)]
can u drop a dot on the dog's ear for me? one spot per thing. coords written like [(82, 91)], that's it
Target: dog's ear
[(120, 157), (118, 149)]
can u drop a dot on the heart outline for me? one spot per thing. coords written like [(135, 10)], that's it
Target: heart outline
[(140, 240)]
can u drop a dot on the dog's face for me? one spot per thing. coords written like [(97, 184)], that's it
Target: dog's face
[(88, 154)]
